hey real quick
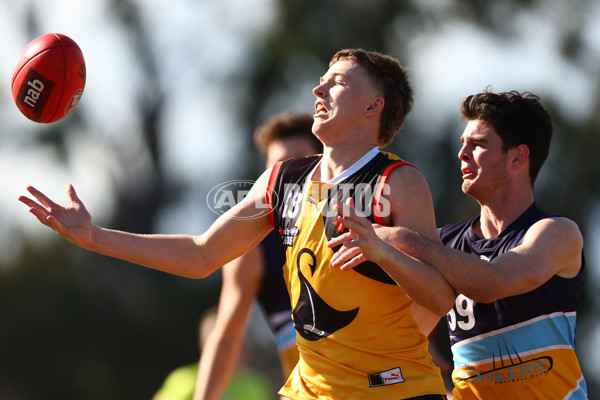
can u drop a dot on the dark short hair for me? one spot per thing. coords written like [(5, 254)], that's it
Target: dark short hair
[(392, 79), (283, 126), (518, 118)]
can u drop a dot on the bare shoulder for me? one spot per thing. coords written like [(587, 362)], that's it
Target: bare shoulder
[(406, 182), (559, 238), (556, 228), (406, 173), (410, 201)]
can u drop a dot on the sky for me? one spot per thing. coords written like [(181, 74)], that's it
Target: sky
[(200, 42)]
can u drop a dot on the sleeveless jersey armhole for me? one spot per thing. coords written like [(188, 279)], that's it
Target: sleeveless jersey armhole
[(377, 216), (270, 189)]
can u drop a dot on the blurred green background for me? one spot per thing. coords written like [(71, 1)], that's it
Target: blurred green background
[(174, 91)]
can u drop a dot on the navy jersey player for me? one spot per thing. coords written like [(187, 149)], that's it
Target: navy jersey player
[(515, 267)]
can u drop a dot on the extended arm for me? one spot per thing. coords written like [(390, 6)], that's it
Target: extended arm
[(550, 247), (241, 283), (231, 235)]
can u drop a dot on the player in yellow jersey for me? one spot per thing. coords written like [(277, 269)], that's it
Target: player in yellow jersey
[(363, 332)]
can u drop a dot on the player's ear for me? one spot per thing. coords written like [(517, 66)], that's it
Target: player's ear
[(520, 155), (375, 106)]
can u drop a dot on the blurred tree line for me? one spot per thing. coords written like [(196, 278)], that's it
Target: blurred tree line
[(76, 325)]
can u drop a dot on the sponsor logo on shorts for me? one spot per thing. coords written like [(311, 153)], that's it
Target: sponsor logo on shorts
[(389, 377)]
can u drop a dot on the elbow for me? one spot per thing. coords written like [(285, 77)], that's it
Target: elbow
[(485, 294), (444, 305), (440, 304), (488, 288), (198, 271), (197, 276)]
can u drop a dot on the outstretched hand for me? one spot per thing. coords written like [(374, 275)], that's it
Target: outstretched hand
[(361, 243), (73, 222)]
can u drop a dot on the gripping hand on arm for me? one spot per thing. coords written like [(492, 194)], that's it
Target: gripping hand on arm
[(360, 243), (419, 281)]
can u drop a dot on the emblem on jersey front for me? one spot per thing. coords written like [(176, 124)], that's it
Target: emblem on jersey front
[(515, 369), (288, 235), (314, 319)]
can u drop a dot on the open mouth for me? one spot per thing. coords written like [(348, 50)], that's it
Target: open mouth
[(466, 173), (320, 109)]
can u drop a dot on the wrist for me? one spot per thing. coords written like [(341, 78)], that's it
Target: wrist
[(93, 239)]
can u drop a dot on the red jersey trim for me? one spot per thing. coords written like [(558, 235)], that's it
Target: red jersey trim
[(379, 190), (270, 187)]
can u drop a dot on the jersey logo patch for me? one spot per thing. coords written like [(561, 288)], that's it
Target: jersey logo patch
[(516, 369), (389, 377), (314, 319), (288, 235)]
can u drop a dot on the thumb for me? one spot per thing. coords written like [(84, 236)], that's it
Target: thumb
[(72, 195)]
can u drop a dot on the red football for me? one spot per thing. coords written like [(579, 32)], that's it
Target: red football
[(49, 78)]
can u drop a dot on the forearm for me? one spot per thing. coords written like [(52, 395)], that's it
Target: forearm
[(175, 254), (217, 365), (466, 273), (421, 282)]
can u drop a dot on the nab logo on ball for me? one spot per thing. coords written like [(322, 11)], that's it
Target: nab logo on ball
[(49, 78), (34, 93)]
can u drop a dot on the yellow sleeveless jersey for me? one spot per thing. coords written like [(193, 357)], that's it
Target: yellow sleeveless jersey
[(356, 333)]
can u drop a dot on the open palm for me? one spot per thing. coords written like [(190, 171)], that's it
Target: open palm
[(73, 222)]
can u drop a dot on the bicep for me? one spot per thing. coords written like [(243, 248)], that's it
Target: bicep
[(552, 246), (411, 203), (240, 228)]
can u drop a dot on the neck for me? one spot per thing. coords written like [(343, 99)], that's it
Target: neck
[(338, 159), (499, 213)]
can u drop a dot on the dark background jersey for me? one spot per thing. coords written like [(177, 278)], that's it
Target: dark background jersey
[(520, 347), (557, 294)]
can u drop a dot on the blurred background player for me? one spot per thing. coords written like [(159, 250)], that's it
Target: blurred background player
[(257, 274), (245, 383)]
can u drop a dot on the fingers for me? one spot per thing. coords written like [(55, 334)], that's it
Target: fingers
[(41, 197), (28, 202), (339, 240), (40, 212), (357, 225), (353, 262), (44, 209), (41, 216), (344, 255)]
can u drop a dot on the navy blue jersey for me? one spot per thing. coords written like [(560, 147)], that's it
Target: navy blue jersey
[(274, 300), (523, 344), (273, 296)]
